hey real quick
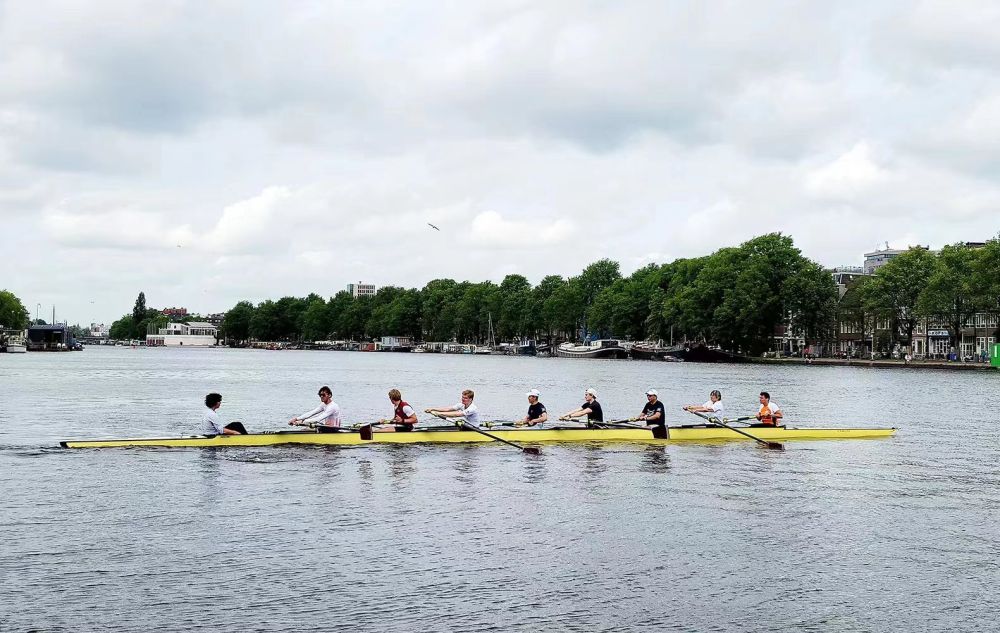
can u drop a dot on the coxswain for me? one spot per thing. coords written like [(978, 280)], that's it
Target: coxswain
[(464, 409), (325, 418), (403, 415), (536, 410), (714, 407), (212, 425), (769, 414), (653, 413), (590, 408)]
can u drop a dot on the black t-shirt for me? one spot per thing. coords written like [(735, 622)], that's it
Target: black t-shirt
[(596, 413), (652, 408), (535, 411)]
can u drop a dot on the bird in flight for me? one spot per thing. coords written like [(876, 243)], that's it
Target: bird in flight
[(433, 227)]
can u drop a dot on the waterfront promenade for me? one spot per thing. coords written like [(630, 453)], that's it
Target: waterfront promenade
[(882, 363)]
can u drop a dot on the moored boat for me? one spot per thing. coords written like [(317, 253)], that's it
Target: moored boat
[(453, 435), (14, 345), (602, 348)]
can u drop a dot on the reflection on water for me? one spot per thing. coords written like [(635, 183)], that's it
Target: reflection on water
[(533, 468), (828, 536), (655, 460), (592, 461), (402, 463), (366, 471)]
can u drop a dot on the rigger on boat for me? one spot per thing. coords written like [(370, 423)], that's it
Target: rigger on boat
[(324, 427)]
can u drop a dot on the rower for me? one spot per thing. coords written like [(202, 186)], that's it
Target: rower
[(403, 418), (769, 413), (590, 407), (714, 407), (536, 410), (464, 409), (325, 418), (653, 413), (212, 424)]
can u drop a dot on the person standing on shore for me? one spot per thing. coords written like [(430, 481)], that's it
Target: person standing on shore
[(466, 408), (714, 407), (403, 418), (536, 410), (325, 417), (770, 413), (590, 408), (211, 423)]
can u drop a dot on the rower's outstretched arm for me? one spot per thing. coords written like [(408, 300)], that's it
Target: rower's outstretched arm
[(445, 412)]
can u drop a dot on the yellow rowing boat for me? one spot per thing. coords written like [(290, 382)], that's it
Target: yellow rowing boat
[(351, 437)]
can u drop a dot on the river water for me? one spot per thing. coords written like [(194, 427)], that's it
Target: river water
[(875, 535)]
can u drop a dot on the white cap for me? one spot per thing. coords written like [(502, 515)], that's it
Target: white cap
[(591, 392), (651, 392), (534, 392)]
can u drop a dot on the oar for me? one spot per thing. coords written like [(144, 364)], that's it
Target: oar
[(773, 445), (625, 424), (531, 450), (742, 419)]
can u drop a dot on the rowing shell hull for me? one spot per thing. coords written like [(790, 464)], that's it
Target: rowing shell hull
[(530, 436)]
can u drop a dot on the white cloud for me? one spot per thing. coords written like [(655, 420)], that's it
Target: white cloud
[(89, 224), (491, 230), (292, 149), (850, 175)]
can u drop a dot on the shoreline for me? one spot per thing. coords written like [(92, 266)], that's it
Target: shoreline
[(880, 364)]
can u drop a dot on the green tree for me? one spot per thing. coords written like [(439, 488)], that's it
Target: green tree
[(139, 310), (123, 329), (289, 312), (811, 299), (438, 300), (150, 323), (337, 308), (13, 314), (672, 315), (540, 320), (852, 311), (472, 311), (564, 309), (986, 282), (513, 318), (265, 321), (355, 319), (316, 321), (894, 290), (403, 315), (236, 323), (594, 278), (950, 294)]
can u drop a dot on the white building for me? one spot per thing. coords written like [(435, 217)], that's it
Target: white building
[(876, 259), (361, 290), (192, 333), (98, 330)]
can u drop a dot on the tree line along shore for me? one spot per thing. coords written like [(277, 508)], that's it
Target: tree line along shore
[(736, 298)]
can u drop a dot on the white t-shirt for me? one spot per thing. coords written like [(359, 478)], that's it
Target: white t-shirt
[(718, 409), (471, 413), (326, 414), (211, 424)]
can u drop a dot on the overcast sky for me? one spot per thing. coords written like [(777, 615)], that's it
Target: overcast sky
[(208, 152)]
